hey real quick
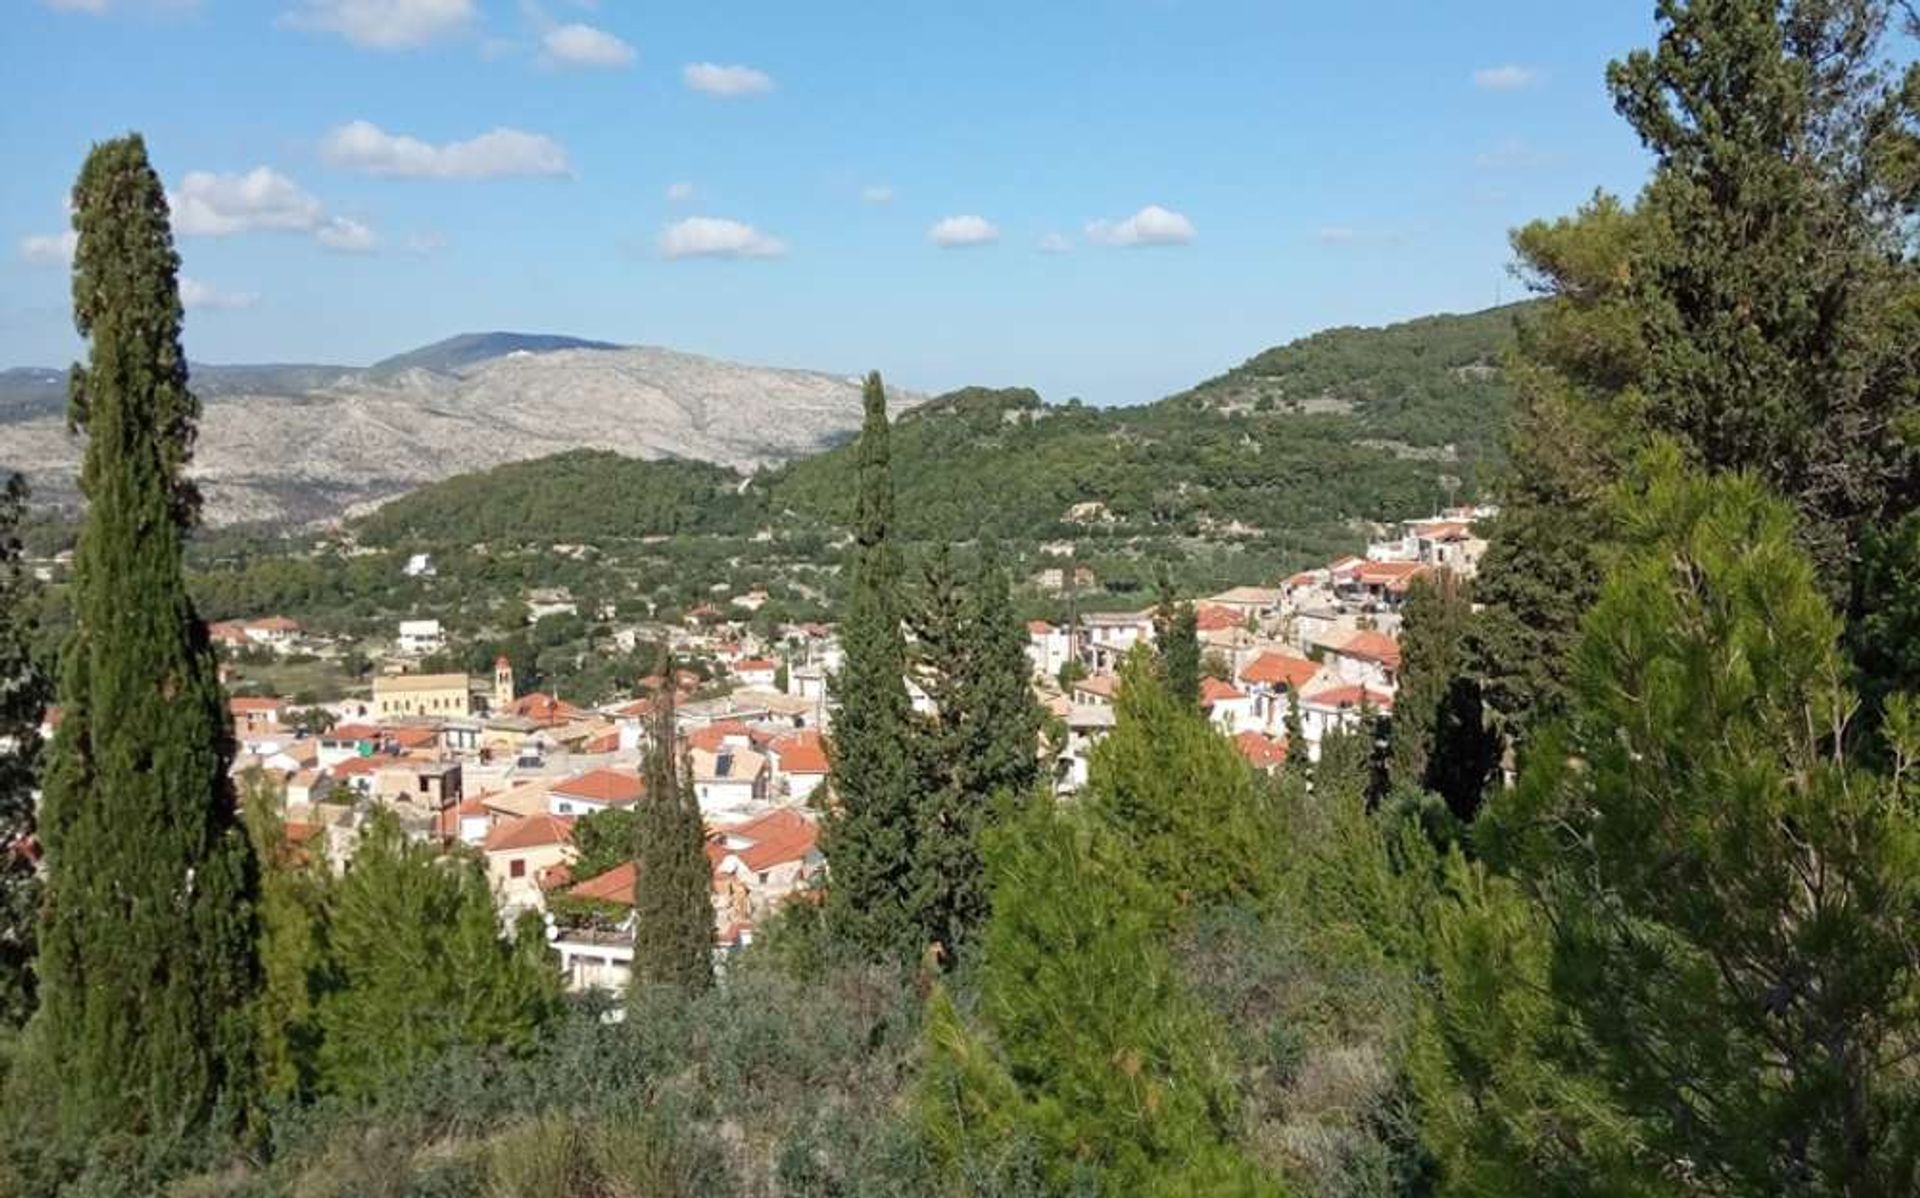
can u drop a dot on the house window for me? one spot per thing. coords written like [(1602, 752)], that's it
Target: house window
[(517, 869)]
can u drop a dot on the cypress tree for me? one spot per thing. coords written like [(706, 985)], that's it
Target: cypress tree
[(294, 889), (673, 881), (22, 697), (1177, 627), (1440, 742), (147, 962), (1002, 718), (868, 838), (980, 741)]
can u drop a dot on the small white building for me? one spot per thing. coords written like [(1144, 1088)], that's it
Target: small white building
[(1048, 647), (418, 638)]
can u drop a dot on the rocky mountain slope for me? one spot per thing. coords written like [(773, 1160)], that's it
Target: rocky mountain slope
[(299, 443)]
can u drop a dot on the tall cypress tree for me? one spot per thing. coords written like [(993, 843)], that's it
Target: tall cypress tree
[(980, 741), (22, 695), (147, 964), (869, 830), (1178, 629), (1440, 741), (673, 881)]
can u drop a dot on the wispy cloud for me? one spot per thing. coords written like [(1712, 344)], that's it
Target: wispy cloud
[(955, 232), (717, 237), (1337, 234), (195, 295), (679, 193), (1055, 243), (717, 80), (1511, 154), (1152, 225), (207, 204), (585, 47), (500, 153), (878, 193), (1505, 78), (383, 24), (49, 249)]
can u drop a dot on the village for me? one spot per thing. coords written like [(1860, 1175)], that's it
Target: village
[(476, 765)]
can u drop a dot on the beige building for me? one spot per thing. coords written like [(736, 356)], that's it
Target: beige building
[(422, 694)]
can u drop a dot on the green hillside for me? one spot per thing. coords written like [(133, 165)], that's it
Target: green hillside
[(1298, 442)]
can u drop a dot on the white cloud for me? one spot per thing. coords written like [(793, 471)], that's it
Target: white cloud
[(1506, 78), (422, 244), (366, 147), (92, 6), (1055, 243), (197, 295), (717, 80), (383, 24), (955, 231), (715, 237), (1152, 225), (879, 193), (347, 236), (584, 46), (49, 249), (679, 193), (261, 201), (1337, 234)]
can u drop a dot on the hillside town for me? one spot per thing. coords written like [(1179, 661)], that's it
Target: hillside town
[(474, 764)]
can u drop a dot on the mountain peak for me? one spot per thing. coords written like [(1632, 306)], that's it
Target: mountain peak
[(462, 350)]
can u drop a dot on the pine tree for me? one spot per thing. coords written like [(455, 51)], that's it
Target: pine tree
[(23, 694), (404, 903), (1440, 741), (673, 880), (147, 962), (868, 837), (1178, 796), (1733, 904), (1090, 1050)]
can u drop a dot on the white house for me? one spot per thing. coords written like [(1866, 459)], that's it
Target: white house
[(420, 637), (1335, 708), (799, 764), (1106, 637), (755, 671), (1230, 708), (727, 779), (1048, 647)]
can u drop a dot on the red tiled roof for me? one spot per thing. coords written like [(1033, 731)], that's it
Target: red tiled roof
[(358, 765), (614, 886), (1214, 618), (1370, 645), (1039, 627), (714, 737), (352, 732), (779, 836), (1279, 669), (412, 736), (1261, 752), (602, 786), (248, 705), (544, 709), (274, 624), (1374, 573), (1351, 696), (300, 833), (1212, 691), (606, 742), (802, 752), (532, 832), (757, 665)]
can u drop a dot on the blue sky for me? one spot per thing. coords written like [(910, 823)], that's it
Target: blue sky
[(1110, 200)]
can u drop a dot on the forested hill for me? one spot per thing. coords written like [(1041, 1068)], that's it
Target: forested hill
[(1300, 440)]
